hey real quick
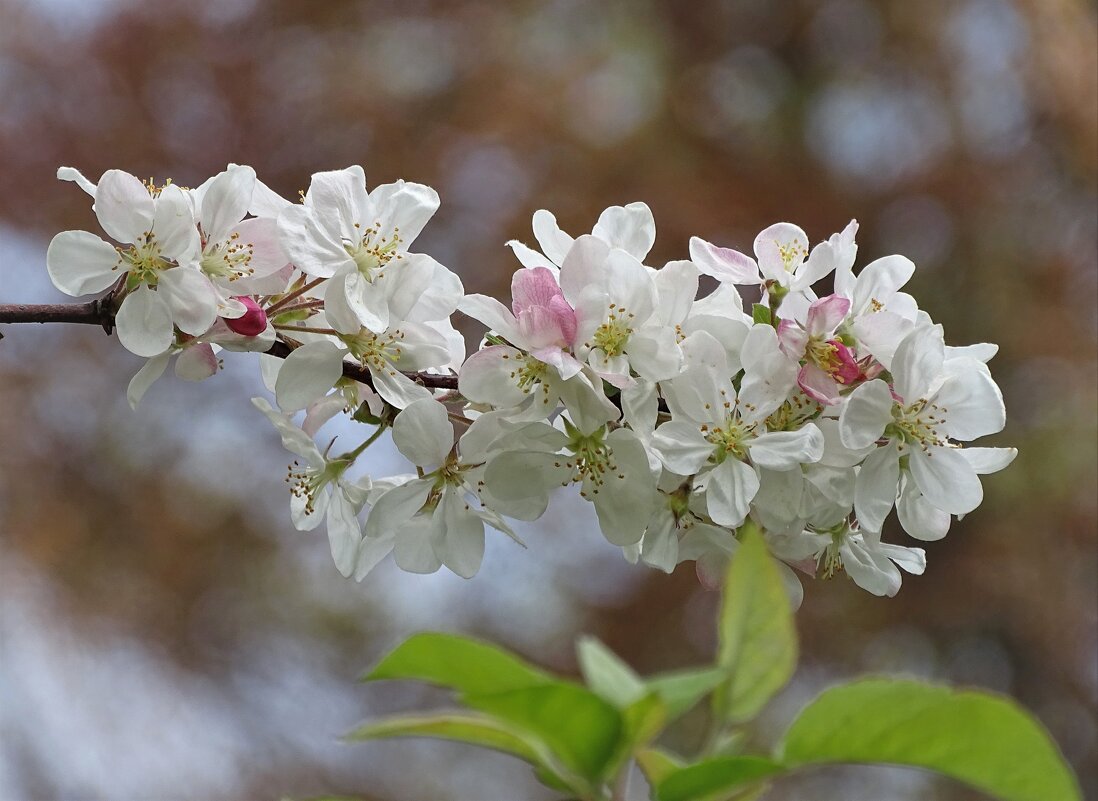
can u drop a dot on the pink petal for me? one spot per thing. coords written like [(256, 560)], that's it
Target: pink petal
[(535, 286), (818, 385), (792, 339), (825, 314)]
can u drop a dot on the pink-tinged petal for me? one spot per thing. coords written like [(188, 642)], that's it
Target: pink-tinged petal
[(780, 249), (792, 339), (261, 235), (196, 363), (818, 385), (845, 367), (724, 264), (566, 318), (533, 287), (825, 314), (540, 328), (252, 323)]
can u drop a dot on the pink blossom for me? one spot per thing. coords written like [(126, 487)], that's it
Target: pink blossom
[(544, 317), (250, 324)]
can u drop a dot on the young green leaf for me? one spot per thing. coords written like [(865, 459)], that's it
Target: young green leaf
[(606, 674), (758, 642), (715, 778), (581, 728), (642, 721), (760, 314), (657, 764), (681, 689), (981, 739), (460, 663)]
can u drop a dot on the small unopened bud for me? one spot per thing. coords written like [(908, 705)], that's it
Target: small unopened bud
[(252, 323)]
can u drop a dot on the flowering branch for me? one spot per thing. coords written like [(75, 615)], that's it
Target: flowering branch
[(98, 312)]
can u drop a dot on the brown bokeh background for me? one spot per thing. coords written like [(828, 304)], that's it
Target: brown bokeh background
[(166, 634)]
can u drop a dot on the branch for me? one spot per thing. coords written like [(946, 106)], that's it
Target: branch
[(96, 312)]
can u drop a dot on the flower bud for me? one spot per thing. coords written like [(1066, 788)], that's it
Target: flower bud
[(250, 324)]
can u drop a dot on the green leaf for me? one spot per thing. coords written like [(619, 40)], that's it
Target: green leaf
[(715, 778), (460, 663), (606, 674), (758, 642), (981, 739), (642, 721), (657, 764), (760, 314), (681, 689), (581, 728)]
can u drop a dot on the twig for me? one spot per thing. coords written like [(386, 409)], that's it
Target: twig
[(97, 312)]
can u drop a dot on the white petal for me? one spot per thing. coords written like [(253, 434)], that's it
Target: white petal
[(877, 575), (308, 373), (145, 378), (397, 388), (554, 242), (462, 543), (989, 460), (80, 263), (584, 267), (191, 298), (371, 552), (196, 363), (866, 412), (784, 450), (493, 314), (293, 438), (676, 288), (631, 228), (344, 533), (876, 487), (266, 202), (660, 546), (682, 447), (946, 479), (226, 200), (880, 280), (419, 289), (73, 174), (423, 433), (724, 264), (531, 258), (518, 483), (124, 206), (918, 363), (920, 518), (392, 511), (972, 401), (174, 225), (413, 549), (310, 247), (624, 501), (732, 486), (654, 353), (144, 323), (488, 376), (404, 208)]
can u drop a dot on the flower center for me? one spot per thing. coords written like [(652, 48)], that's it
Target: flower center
[(917, 424), (730, 439), (531, 372), (374, 350), (592, 460), (307, 482), (791, 255), (142, 262), (229, 260), (612, 336), (371, 252)]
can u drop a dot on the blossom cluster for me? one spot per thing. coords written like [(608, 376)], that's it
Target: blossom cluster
[(678, 415)]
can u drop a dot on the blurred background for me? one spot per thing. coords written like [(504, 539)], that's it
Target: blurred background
[(166, 634)]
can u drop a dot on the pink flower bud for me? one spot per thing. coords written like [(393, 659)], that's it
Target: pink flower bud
[(252, 323)]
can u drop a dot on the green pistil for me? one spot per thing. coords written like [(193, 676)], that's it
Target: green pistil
[(371, 256), (612, 336), (142, 262), (917, 424), (730, 439)]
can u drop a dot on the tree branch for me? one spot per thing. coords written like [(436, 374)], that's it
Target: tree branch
[(96, 312)]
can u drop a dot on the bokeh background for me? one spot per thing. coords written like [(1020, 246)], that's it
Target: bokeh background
[(166, 634)]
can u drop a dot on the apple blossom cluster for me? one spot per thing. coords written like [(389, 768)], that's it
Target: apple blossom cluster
[(679, 416)]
